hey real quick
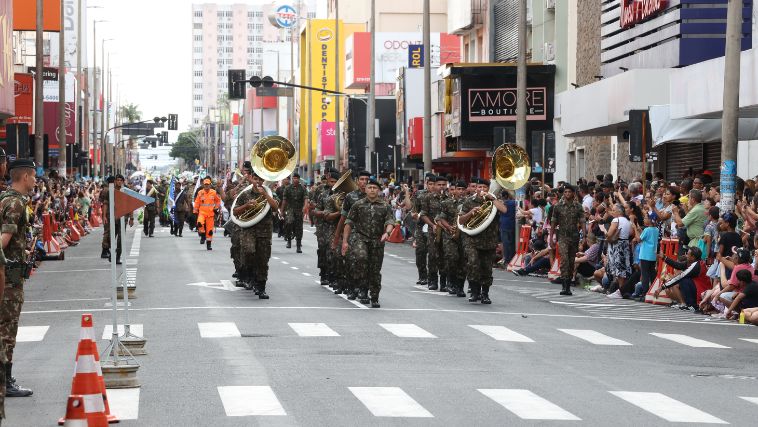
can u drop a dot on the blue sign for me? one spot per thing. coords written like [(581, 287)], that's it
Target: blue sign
[(727, 186), (285, 16), (415, 56)]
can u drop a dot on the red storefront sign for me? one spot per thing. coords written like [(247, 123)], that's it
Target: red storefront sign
[(23, 91), (416, 136), (6, 58), (635, 11), (52, 123)]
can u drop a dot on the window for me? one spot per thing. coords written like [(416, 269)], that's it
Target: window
[(198, 61), (311, 15), (198, 49), (198, 85), (221, 73), (258, 13), (198, 38), (198, 109), (197, 26), (198, 97), (250, 15), (198, 14), (198, 74)]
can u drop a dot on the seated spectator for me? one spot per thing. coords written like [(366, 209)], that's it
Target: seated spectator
[(538, 259), (751, 315), (746, 298), (587, 262), (734, 287), (681, 288)]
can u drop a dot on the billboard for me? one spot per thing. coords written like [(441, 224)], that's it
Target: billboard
[(52, 123), (23, 94), (392, 53), (7, 105), (25, 15)]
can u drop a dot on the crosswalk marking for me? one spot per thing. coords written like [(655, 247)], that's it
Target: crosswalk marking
[(389, 402), (688, 340), (667, 408), (406, 330), (501, 333), (594, 337), (527, 405), (294, 268), (750, 399), (135, 329), (218, 330), (313, 330), (285, 262), (124, 403), (31, 333), (752, 340), (241, 401)]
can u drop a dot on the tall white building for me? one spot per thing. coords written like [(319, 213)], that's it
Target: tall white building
[(234, 36)]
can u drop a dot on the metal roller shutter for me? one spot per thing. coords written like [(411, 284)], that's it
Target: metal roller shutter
[(712, 159), (506, 30), (680, 157)]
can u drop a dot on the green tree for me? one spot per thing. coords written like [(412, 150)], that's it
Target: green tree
[(130, 113), (187, 147)]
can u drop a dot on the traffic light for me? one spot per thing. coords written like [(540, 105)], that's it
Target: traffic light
[(236, 80), (268, 81), (164, 136), (173, 122)]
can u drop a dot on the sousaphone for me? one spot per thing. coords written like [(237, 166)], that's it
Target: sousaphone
[(343, 186), (510, 170), (273, 159)]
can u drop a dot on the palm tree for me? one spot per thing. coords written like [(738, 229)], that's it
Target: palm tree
[(131, 113)]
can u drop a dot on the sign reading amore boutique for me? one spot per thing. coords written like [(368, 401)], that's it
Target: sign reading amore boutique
[(497, 105)]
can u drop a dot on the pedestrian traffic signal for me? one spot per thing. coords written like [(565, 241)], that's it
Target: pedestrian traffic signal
[(173, 122), (236, 81)]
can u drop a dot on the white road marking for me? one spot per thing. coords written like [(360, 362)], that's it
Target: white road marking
[(307, 275), (285, 262), (124, 403), (135, 329), (68, 300), (667, 408), (752, 340), (750, 399), (501, 333), (274, 257), (594, 337), (688, 340), (241, 401), (229, 286), (31, 333), (389, 402), (73, 271), (313, 330), (218, 330), (406, 330), (294, 268), (527, 405)]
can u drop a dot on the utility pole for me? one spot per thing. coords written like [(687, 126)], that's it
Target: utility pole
[(39, 117), (79, 84), (97, 166), (730, 116), (521, 78), (62, 146), (337, 142), (370, 108), (427, 155)]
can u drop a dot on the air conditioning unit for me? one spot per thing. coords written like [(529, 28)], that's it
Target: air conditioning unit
[(549, 52), (550, 4)]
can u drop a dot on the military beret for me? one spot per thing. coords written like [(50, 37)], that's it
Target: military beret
[(569, 187), (374, 182), (461, 184), (296, 175), (119, 176), (247, 166), (364, 173), (431, 178), (484, 181), (111, 179), (441, 178), (334, 175), (323, 177), (22, 163), (474, 180)]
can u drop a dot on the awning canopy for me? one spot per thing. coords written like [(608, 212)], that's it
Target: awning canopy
[(665, 129)]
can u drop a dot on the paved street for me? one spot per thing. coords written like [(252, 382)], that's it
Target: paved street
[(219, 356)]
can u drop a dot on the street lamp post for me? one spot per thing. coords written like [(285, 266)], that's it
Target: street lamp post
[(370, 108), (103, 112), (81, 83), (95, 161)]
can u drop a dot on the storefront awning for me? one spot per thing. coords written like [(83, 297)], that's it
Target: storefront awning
[(665, 129)]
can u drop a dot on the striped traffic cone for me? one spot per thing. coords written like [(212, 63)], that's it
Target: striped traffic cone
[(75, 416)]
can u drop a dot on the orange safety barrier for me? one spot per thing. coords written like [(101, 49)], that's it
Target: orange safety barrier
[(396, 236), (555, 268), (517, 261), (670, 248), (73, 233), (95, 219), (88, 377), (52, 248)]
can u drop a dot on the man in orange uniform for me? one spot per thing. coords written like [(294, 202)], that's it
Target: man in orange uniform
[(207, 203)]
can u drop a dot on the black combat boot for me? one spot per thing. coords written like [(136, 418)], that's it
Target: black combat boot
[(208, 245), (566, 287), (475, 289), (353, 294), (486, 295), (459, 289), (299, 247), (11, 388), (289, 243), (363, 297), (432, 284), (202, 239), (106, 254), (375, 304), (443, 284), (262, 291)]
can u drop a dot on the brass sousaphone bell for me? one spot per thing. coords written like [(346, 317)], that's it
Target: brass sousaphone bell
[(510, 170), (343, 186), (273, 159)]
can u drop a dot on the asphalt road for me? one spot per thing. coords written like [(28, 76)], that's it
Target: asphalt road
[(219, 356)]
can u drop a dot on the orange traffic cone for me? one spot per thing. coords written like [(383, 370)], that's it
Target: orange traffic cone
[(396, 236), (555, 269), (75, 416), (88, 377)]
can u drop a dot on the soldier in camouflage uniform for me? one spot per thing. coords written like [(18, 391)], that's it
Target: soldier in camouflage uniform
[(3, 360), (568, 217), (368, 225), (315, 204), (118, 182), (255, 241), (479, 250), (351, 275), (431, 206), (452, 247), (233, 229), (15, 227), (279, 220), (419, 236), (326, 223), (293, 202)]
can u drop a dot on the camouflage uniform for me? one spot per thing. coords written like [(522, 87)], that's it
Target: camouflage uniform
[(334, 261), (14, 219), (420, 237), (293, 217), (567, 217), (232, 228), (278, 222), (3, 359), (368, 220), (316, 201), (255, 244), (431, 206), (350, 199), (151, 210), (479, 252), (452, 247)]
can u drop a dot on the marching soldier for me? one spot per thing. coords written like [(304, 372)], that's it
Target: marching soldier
[(293, 203), (152, 209), (479, 250), (207, 203), (3, 360), (280, 196), (368, 225), (351, 276), (452, 248), (15, 226), (255, 241), (327, 216), (315, 204), (234, 229), (568, 217), (117, 182), (419, 236), (431, 206)]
